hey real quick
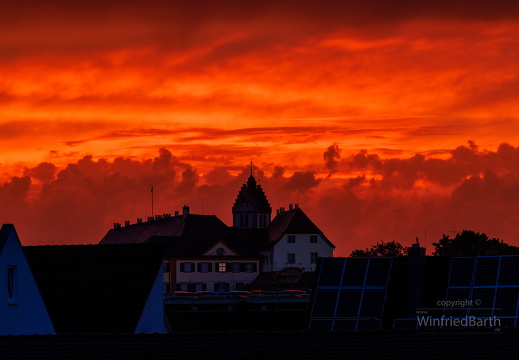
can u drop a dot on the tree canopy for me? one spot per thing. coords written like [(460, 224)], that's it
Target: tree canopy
[(391, 249), (470, 243), (465, 243)]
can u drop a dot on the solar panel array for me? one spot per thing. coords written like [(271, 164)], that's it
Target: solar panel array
[(490, 286), (350, 293)]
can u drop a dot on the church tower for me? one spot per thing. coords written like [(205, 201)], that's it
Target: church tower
[(251, 208)]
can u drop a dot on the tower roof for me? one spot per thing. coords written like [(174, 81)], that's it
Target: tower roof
[(252, 194)]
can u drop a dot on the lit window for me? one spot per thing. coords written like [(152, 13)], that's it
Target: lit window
[(11, 283), (235, 267), (222, 267), (291, 239), (313, 238), (291, 258), (313, 257)]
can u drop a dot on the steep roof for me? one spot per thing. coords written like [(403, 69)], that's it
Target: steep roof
[(187, 236), (251, 194), (94, 288), (294, 221), (5, 231)]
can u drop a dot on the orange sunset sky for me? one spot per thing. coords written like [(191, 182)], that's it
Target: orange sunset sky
[(384, 120)]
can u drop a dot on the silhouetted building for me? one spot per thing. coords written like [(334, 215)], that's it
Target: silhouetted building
[(204, 254)]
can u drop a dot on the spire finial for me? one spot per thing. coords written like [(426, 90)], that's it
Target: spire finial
[(250, 167)]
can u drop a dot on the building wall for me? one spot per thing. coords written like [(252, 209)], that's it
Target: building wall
[(302, 249), (212, 277), (25, 314)]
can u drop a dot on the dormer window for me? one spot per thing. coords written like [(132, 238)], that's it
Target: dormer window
[(11, 283)]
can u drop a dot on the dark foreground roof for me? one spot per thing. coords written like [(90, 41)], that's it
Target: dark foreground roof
[(95, 288), (188, 236), (264, 345)]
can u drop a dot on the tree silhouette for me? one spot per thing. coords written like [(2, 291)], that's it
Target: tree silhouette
[(470, 243), (390, 249)]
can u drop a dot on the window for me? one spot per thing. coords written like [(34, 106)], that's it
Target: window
[(313, 238), (205, 267), (291, 258), (263, 220), (11, 283), (313, 257), (221, 267), (186, 267), (244, 220), (165, 267), (235, 267), (291, 239), (240, 286), (249, 267), (200, 287), (221, 287)]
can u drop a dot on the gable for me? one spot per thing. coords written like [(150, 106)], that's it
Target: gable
[(220, 249)]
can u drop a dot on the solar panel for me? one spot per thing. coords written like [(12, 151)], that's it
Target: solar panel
[(322, 325), (378, 271), (461, 271), (372, 303), (349, 302), (483, 302), (509, 271), (506, 301), (492, 291), (486, 271), (351, 292), (355, 272), (457, 294), (325, 302), (331, 271), (345, 325)]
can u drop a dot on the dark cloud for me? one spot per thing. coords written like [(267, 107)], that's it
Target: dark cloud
[(43, 172), (302, 182), (331, 155)]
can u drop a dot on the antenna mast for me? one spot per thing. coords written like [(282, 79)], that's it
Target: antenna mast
[(152, 214)]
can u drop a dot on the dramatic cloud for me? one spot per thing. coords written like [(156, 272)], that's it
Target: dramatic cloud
[(90, 91), (331, 155)]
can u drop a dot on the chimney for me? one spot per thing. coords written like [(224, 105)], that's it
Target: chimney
[(290, 207), (158, 217), (150, 218), (165, 216), (415, 277), (185, 211), (117, 225), (281, 210), (176, 212), (296, 206), (126, 223), (139, 220)]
